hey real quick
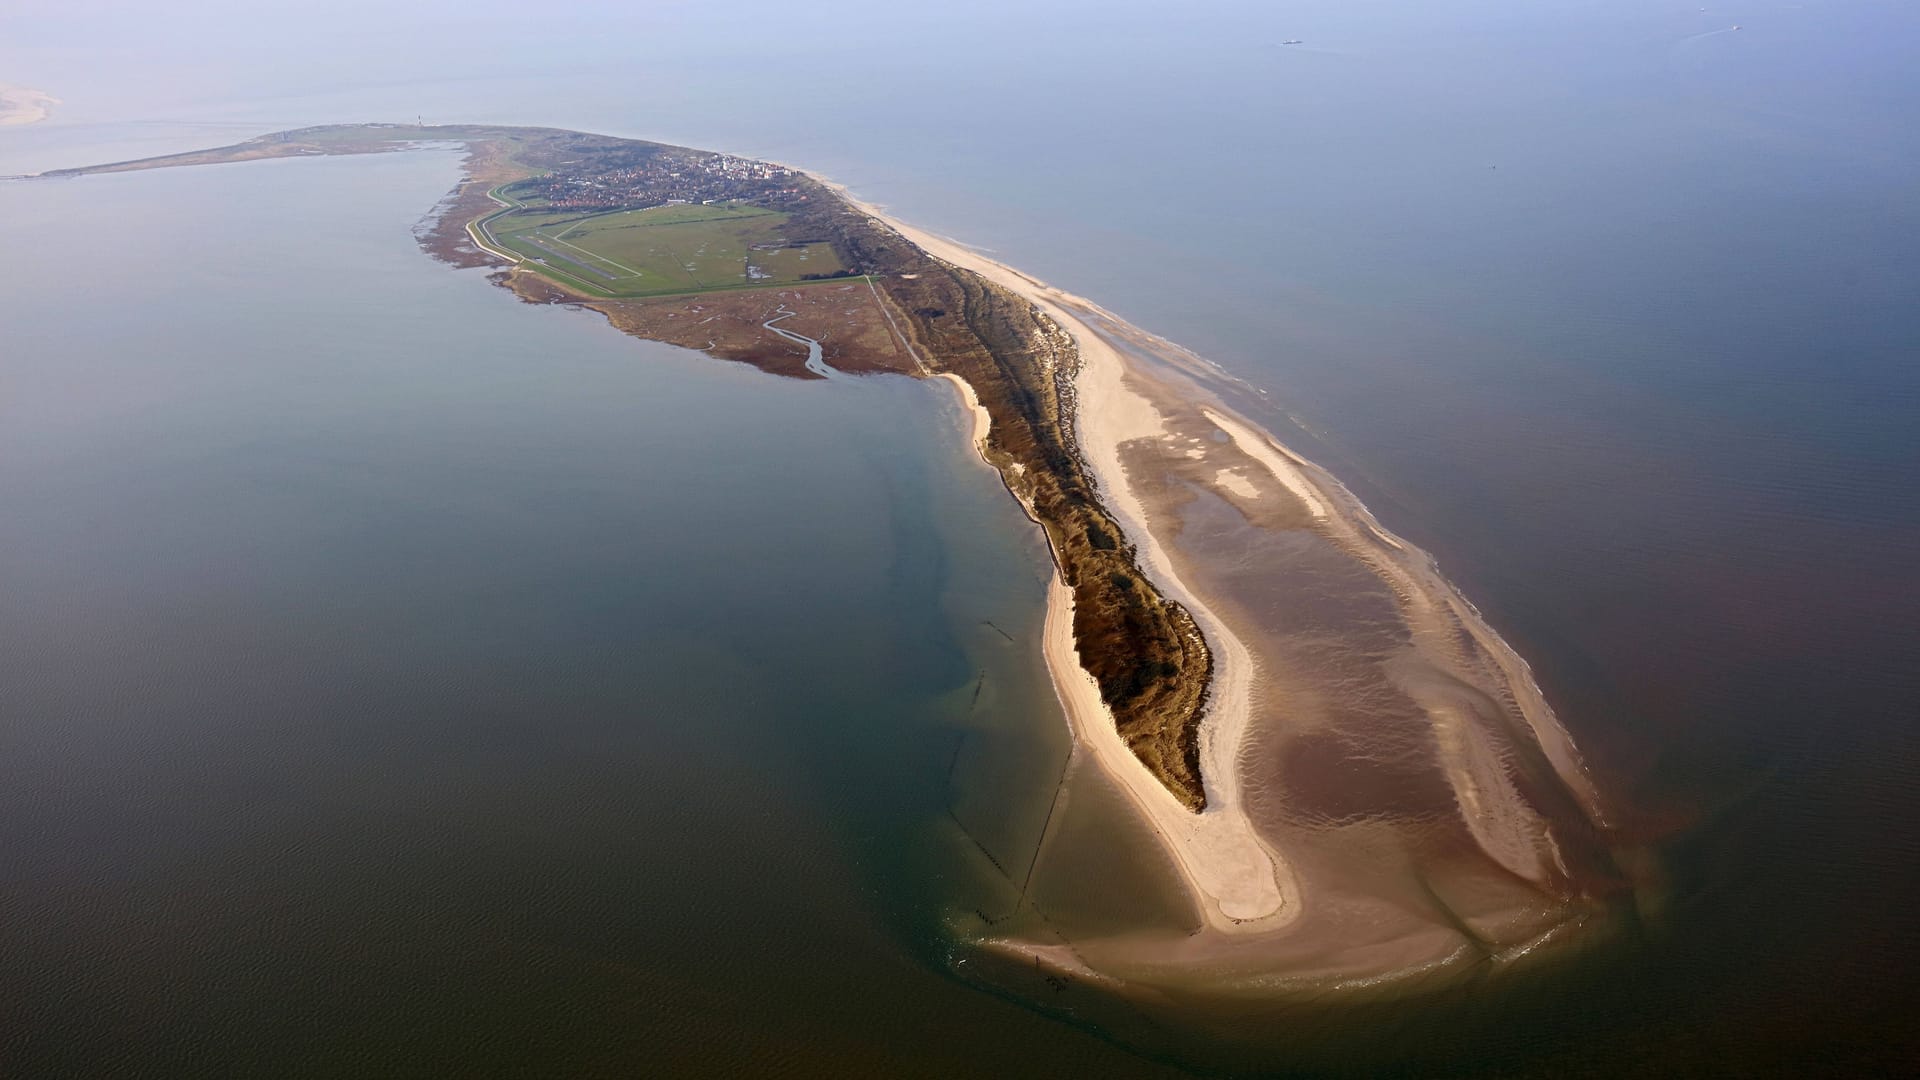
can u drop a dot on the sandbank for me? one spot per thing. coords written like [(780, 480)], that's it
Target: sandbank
[(1241, 883), (24, 105), (1458, 672)]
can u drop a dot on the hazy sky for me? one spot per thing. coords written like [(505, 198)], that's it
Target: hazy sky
[(119, 60)]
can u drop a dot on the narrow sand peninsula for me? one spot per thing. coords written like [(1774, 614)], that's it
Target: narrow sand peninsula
[(1242, 884), (982, 420), (1466, 705)]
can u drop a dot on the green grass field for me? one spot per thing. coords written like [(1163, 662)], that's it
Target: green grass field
[(663, 250)]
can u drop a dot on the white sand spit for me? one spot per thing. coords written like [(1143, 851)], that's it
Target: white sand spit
[(23, 105)]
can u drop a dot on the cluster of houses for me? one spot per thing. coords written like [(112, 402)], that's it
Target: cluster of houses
[(666, 178)]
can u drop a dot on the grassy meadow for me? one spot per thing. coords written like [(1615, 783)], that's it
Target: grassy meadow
[(662, 250)]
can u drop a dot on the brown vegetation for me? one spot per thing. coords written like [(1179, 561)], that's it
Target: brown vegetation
[(1144, 650)]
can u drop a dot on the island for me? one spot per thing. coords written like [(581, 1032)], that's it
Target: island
[(1356, 778), (24, 105)]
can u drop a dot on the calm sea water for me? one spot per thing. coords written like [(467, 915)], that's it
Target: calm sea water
[(405, 680), (1608, 305)]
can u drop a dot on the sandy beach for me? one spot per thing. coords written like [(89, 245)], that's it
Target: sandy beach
[(22, 105), (1243, 885), (982, 421), (1358, 780), (1467, 702)]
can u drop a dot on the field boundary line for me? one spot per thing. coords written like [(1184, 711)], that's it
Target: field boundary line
[(631, 272), (904, 343)]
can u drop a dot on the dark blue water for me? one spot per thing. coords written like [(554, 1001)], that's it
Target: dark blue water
[(1606, 304)]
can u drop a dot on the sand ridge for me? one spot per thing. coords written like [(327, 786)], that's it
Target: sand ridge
[(1458, 671), (1243, 885), (982, 421), (24, 105)]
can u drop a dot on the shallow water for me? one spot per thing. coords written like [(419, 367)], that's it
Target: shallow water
[(411, 680), (1608, 309)]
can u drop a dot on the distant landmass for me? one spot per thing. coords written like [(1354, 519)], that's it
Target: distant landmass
[(23, 105)]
